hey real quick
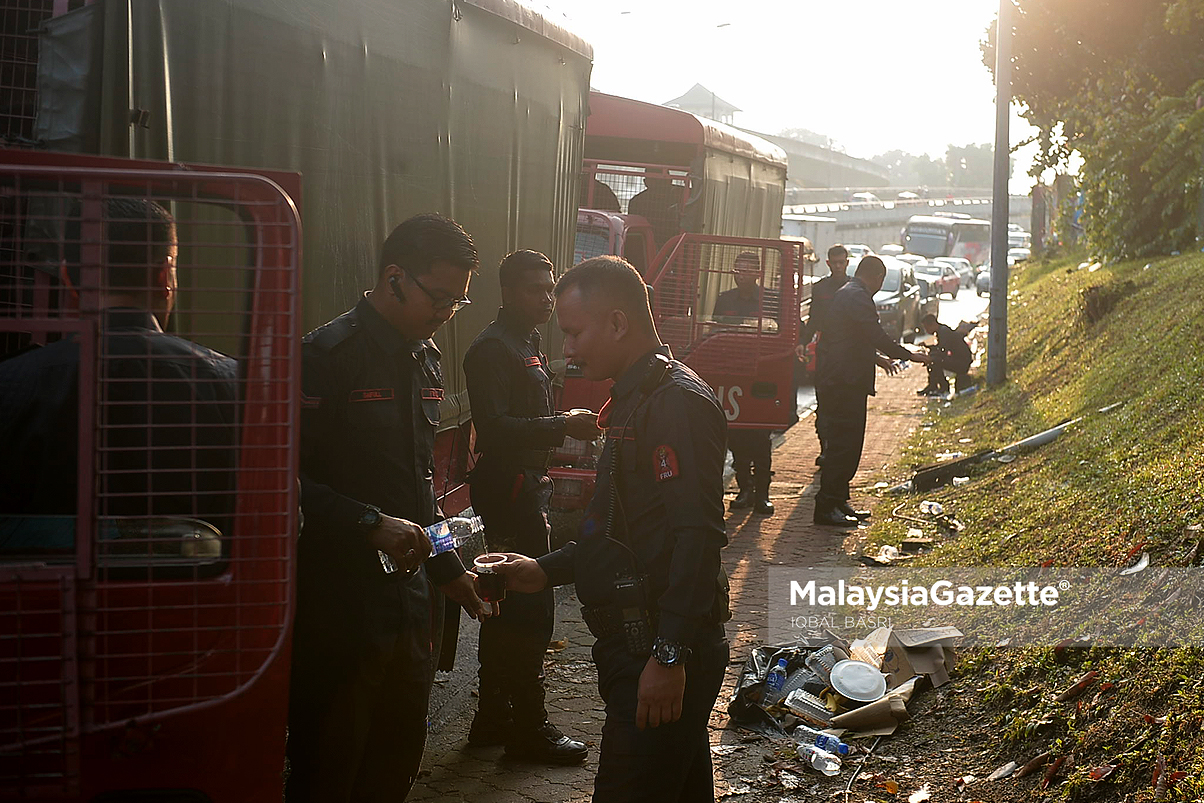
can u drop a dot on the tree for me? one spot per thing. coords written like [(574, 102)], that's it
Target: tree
[(1120, 83)]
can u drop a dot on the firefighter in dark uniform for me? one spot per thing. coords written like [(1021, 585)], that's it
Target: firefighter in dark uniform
[(950, 353), (647, 564), (510, 386), (363, 638), (167, 409), (852, 343), (821, 299), (752, 449)]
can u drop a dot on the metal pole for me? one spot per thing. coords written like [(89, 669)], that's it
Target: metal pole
[(997, 336)]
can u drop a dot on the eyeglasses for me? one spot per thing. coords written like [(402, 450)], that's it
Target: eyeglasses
[(440, 302)]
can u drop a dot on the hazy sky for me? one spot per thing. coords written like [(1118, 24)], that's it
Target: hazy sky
[(874, 75)]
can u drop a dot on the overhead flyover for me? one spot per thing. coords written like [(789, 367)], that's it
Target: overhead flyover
[(817, 166)]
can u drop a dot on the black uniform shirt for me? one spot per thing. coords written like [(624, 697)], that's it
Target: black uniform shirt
[(671, 447), (954, 345), (822, 294), (731, 304), (166, 419), (510, 388), (852, 333), (369, 410)]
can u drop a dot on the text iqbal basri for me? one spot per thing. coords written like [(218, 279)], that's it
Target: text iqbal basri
[(942, 592)]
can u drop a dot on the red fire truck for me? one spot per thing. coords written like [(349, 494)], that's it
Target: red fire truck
[(148, 659), (680, 197)]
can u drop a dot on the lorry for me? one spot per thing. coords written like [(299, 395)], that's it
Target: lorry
[(714, 193), (163, 675)]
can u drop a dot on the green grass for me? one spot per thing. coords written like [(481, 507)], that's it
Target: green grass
[(1119, 481)]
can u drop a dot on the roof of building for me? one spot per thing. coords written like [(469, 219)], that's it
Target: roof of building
[(699, 97)]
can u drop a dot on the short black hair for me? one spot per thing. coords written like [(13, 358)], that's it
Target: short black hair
[(747, 257), (615, 278), (928, 318), (870, 265), (421, 241), (837, 251), (139, 236), (515, 265)]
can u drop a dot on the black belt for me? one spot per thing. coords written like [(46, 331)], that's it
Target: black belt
[(605, 621)]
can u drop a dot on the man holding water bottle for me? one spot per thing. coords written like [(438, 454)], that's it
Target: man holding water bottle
[(510, 387), (363, 637)]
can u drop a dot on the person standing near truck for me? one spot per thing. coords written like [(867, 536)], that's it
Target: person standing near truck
[(647, 563), (752, 449), (363, 638), (852, 342), (510, 387), (821, 298)]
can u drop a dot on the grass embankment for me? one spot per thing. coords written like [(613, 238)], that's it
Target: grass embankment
[(1114, 486)]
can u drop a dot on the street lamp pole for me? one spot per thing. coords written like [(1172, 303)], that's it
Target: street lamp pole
[(997, 333)]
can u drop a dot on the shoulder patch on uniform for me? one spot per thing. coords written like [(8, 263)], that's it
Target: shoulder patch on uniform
[(664, 463)]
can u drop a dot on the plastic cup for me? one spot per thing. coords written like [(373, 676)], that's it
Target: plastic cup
[(490, 585)]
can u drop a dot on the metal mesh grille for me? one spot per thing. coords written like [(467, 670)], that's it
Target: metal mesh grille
[(19, 21), (145, 566), (658, 193)]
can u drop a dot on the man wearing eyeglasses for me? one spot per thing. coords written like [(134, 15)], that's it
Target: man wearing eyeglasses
[(362, 643)]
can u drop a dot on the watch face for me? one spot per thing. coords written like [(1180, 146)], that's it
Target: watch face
[(370, 517), (666, 653)]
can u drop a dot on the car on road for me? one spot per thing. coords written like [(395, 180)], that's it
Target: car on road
[(1018, 255), (942, 278), (963, 267), (901, 303), (856, 252), (982, 283), (893, 249)]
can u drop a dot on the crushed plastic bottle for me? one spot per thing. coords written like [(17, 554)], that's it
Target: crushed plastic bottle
[(775, 683), (931, 508), (444, 536), (820, 759), (806, 735)]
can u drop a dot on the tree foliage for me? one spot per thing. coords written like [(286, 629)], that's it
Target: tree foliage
[(1121, 84), (966, 166)]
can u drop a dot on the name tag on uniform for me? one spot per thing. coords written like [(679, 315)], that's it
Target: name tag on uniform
[(664, 463), (372, 394), (433, 393), (533, 362)]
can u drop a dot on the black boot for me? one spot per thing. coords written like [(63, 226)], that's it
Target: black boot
[(847, 509), (761, 504), (492, 722), (743, 499), (831, 517), (532, 737)]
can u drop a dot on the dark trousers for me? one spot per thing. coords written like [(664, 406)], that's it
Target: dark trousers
[(667, 764), (942, 361), (358, 704), (752, 456), (513, 503), (821, 409), (844, 425)]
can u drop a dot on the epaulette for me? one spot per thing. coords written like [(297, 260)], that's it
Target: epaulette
[(331, 334)]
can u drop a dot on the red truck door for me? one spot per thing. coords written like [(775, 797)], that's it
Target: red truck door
[(147, 650), (742, 342)]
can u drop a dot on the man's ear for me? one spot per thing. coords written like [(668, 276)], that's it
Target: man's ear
[(619, 324)]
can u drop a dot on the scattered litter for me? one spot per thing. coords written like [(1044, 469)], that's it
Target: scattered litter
[(965, 440), (1140, 565), (959, 481), (964, 781), (915, 532), (1149, 720), (880, 485), (932, 508), (557, 646), (1005, 458), (890, 787), (968, 391), (920, 795), (725, 749), (902, 488), (1003, 772), (1096, 266), (888, 552), (950, 456), (916, 544), (1147, 265), (1100, 773)]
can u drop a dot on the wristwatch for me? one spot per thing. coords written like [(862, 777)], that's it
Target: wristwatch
[(669, 653), (369, 518)]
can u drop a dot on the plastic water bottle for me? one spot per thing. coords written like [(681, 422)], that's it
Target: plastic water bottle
[(820, 759), (444, 536), (775, 683), (932, 508), (806, 736)]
